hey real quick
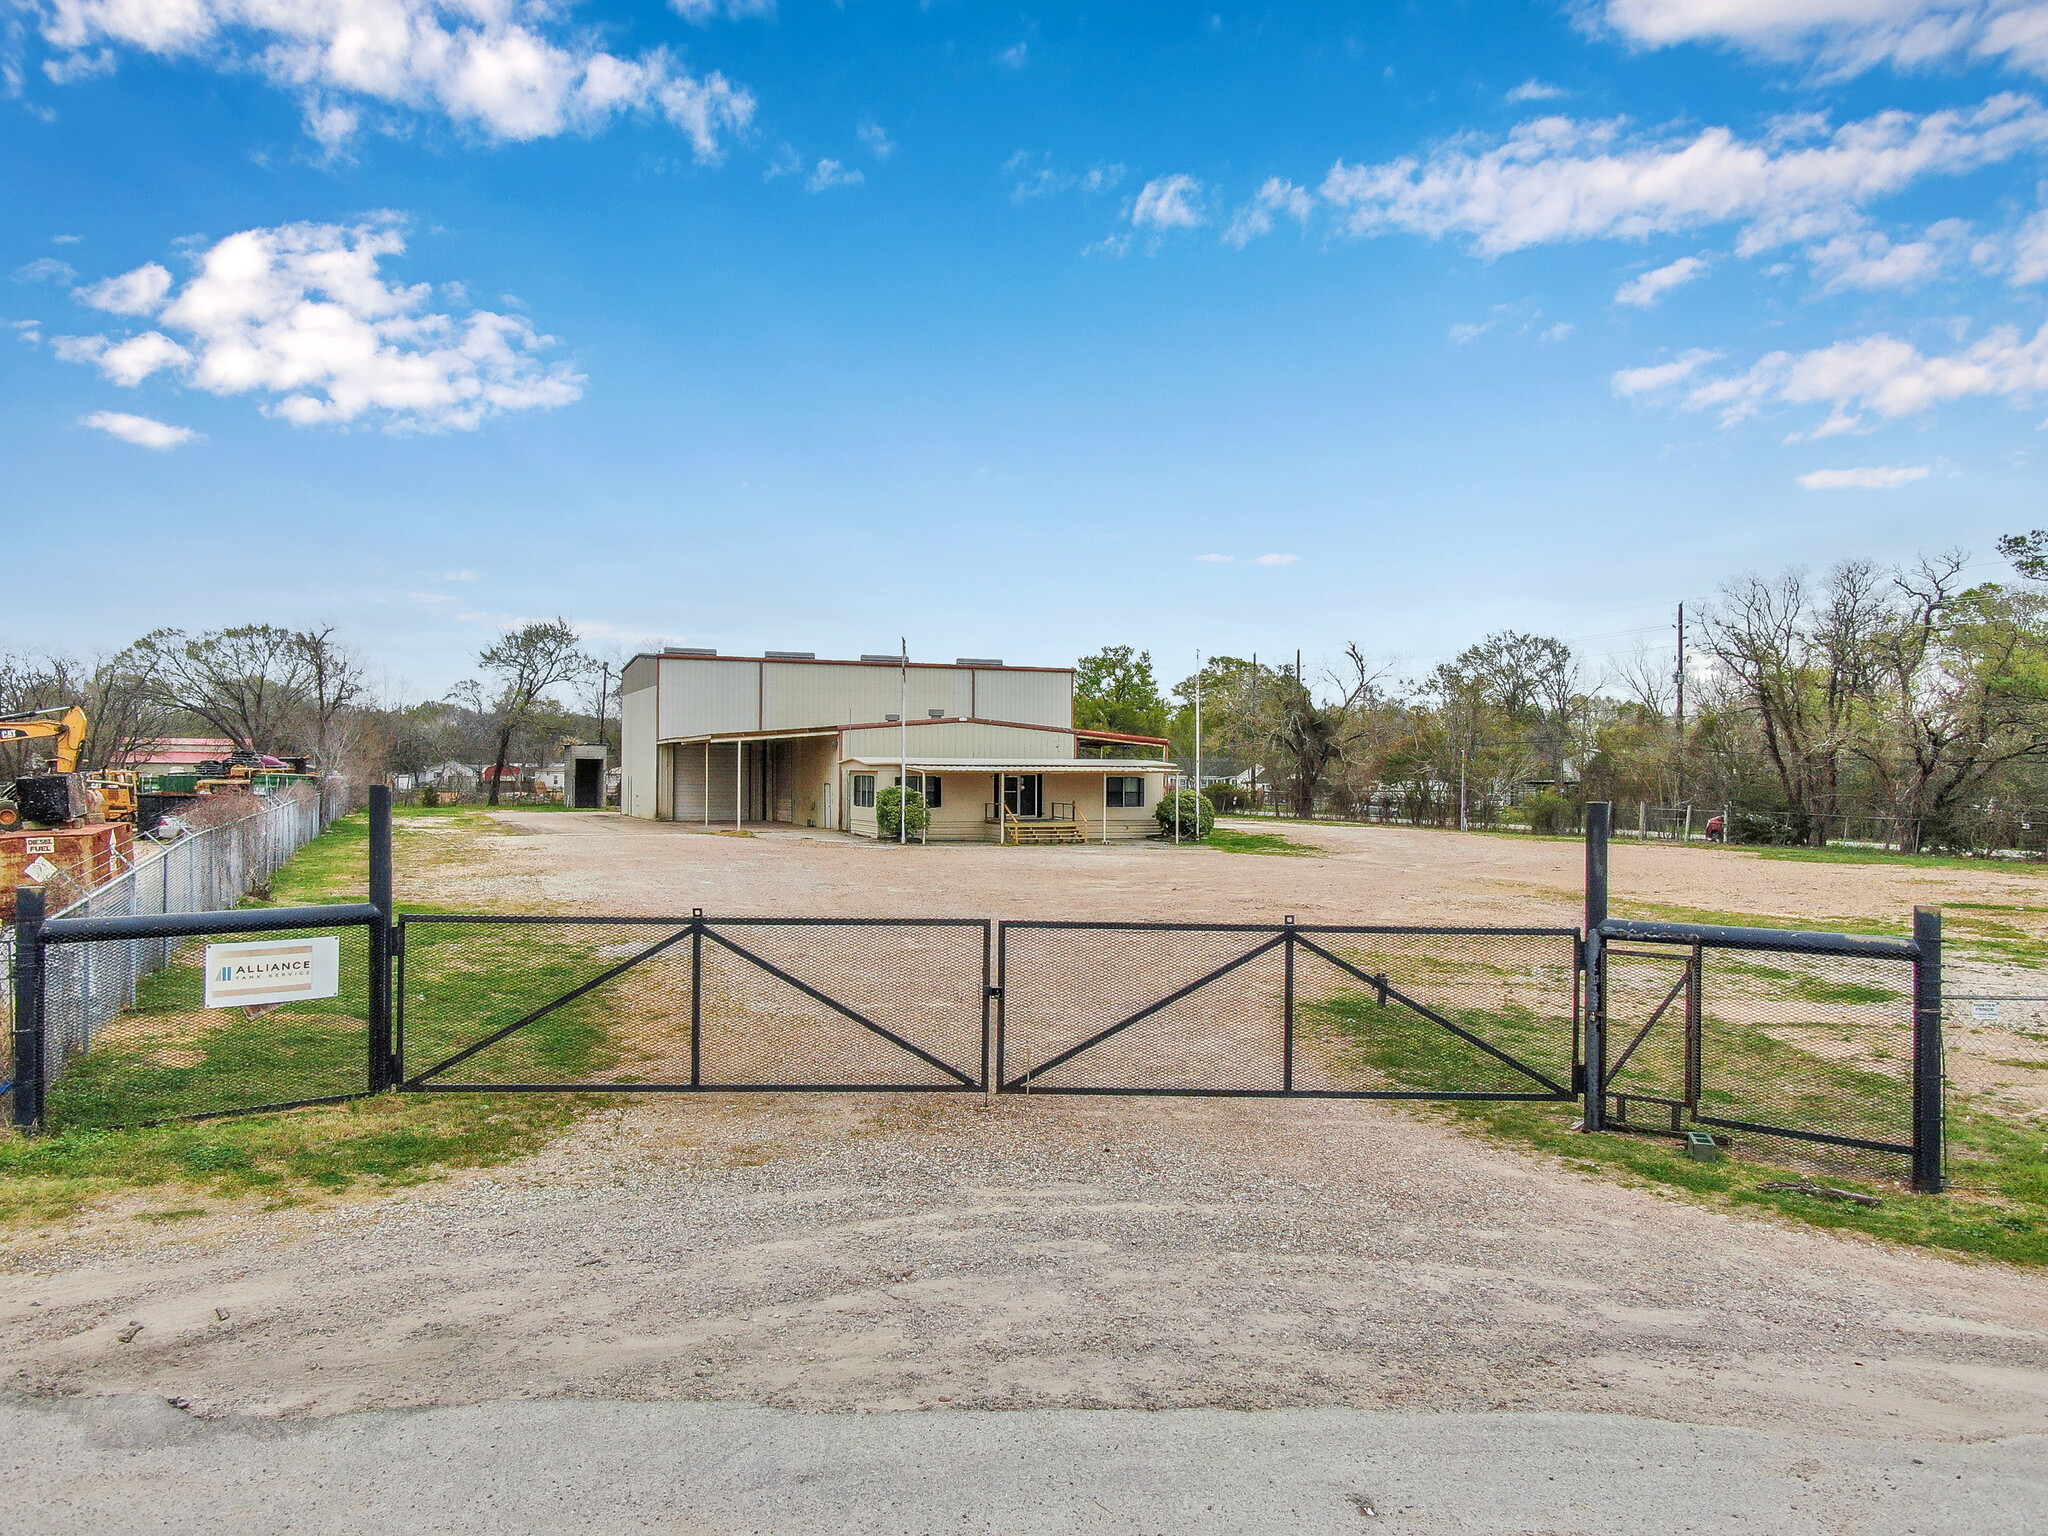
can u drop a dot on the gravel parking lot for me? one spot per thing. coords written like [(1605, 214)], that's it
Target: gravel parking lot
[(861, 1254)]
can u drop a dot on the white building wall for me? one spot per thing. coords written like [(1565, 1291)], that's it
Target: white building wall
[(959, 738), (1029, 698), (703, 695), (637, 793)]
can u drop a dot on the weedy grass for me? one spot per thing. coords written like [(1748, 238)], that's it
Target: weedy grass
[(169, 1057), (1231, 840), (1996, 1207)]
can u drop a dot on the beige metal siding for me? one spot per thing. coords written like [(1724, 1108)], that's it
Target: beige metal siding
[(689, 783), (702, 695), (803, 695), (949, 739), (640, 673), (637, 758), (1029, 698), (814, 766)]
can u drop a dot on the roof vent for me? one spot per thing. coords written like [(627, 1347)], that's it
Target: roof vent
[(892, 659), (687, 650), (892, 719), (977, 661), (791, 655), (936, 714)]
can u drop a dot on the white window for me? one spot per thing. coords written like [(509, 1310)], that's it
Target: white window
[(1127, 794), (864, 791)]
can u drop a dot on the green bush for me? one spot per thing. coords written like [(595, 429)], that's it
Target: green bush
[(1546, 813), (1194, 813), (1227, 797), (890, 814)]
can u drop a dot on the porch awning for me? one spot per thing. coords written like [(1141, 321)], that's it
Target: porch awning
[(1083, 765)]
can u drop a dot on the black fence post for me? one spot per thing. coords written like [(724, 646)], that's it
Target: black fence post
[(1928, 1177), (1599, 817), (384, 1066), (28, 1008), (696, 996), (1287, 1061)]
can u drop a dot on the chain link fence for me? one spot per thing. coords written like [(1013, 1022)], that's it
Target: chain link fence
[(91, 985)]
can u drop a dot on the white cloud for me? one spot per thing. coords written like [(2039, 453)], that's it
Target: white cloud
[(1871, 261), (2030, 250), (65, 239), (875, 138), (1651, 286), (456, 576), (703, 12), (1661, 376), (1169, 202), (1276, 560), (28, 331), (143, 431), (830, 173), (1216, 559), (1872, 478), (301, 313), (1016, 56), (45, 269), (1557, 332), (140, 292), (1880, 374), (1256, 217), (1846, 36), (1468, 331), (1044, 179), (1536, 90), (506, 69), (1109, 245), (1558, 180)]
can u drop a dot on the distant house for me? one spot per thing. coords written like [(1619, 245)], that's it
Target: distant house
[(449, 775), (787, 738), (178, 754)]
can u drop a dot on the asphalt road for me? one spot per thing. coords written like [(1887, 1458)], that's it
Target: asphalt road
[(140, 1464)]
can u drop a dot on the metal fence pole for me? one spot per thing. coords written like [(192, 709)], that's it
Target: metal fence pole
[(1599, 816), (1928, 1177), (28, 1008), (383, 1062), (1287, 1025), (697, 993)]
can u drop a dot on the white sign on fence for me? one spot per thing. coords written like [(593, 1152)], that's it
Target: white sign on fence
[(40, 870), (1984, 1012), (272, 971), (40, 845)]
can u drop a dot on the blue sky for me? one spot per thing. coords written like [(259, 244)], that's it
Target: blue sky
[(806, 326)]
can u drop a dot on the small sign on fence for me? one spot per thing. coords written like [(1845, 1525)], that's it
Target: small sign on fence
[(279, 971), (1984, 1012), (40, 845), (40, 870)]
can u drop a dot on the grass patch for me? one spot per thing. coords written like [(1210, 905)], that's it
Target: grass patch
[(287, 1159), (168, 1056), (1883, 856), (1231, 840), (1996, 1209)]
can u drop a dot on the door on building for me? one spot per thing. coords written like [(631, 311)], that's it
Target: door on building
[(1024, 794), (588, 793)]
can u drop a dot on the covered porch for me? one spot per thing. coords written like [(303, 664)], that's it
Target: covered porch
[(1019, 803)]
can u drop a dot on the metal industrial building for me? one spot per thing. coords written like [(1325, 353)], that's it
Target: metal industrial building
[(787, 738)]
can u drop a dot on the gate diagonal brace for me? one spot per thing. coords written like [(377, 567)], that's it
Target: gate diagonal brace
[(1644, 1034), (547, 1008), (1165, 1002), (1386, 990), (838, 1007)]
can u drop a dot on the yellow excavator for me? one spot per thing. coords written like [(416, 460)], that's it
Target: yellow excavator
[(63, 795)]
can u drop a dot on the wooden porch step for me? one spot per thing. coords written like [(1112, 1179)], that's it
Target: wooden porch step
[(1047, 832)]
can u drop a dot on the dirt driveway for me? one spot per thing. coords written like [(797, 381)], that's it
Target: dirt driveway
[(889, 1252)]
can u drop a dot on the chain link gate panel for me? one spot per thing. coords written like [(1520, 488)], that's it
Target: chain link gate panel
[(682, 1004), (1255, 1009)]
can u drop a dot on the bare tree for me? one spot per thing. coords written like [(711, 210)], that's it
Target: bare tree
[(527, 663)]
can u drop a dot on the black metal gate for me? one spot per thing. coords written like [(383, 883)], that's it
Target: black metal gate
[(1248, 1009), (1812, 1040), (650, 1005)]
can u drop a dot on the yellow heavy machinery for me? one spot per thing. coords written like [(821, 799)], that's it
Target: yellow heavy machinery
[(63, 796)]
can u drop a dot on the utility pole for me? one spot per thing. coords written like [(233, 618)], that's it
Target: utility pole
[(903, 745), (1679, 678), (1198, 746)]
